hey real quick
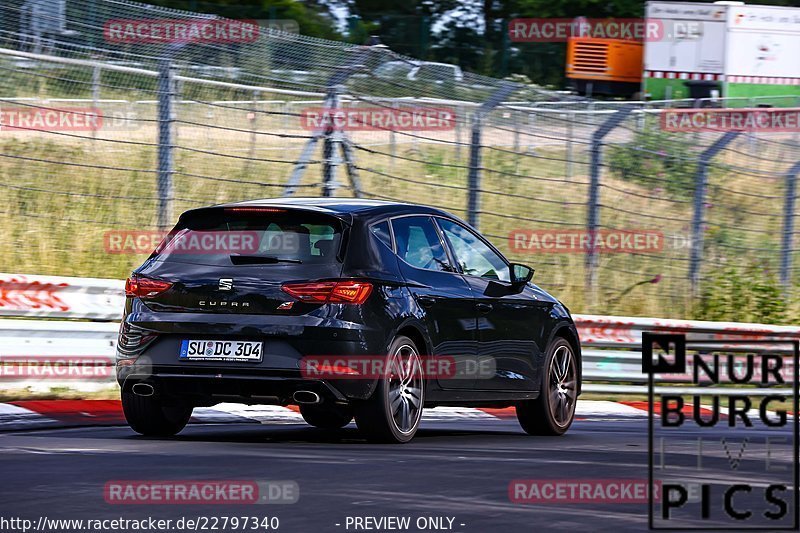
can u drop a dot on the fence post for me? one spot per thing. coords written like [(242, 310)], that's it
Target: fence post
[(515, 119), (392, 141), (459, 116), (593, 211), (251, 152), (533, 122), (474, 179), (166, 102), (96, 76), (788, 228), (329, 153), (640, 120), (570, 134), (701, 182)]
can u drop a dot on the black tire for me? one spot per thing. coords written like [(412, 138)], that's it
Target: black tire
[(326, 416), (148, 416), (553, 411), (377, 418)]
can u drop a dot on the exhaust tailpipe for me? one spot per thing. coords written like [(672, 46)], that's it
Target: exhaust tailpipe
[(143, 389), (306, 397)]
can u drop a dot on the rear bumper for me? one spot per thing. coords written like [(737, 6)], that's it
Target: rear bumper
[(286, 341), (210, 388), (271, 381)]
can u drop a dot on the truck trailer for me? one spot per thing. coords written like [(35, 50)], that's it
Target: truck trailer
[(724, 49)]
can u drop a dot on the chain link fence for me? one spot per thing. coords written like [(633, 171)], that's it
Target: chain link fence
[(110, 126)]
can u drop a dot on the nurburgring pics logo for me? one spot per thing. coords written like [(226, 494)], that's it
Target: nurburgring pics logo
[(771, 119), (726, 458), (378, 119), (559, 30), (187, 31)]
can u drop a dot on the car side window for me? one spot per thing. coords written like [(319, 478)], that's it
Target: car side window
[(418, 243), (472, 254), (381, 231)]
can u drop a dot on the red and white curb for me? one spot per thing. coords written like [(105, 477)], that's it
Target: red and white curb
[(44, 414)]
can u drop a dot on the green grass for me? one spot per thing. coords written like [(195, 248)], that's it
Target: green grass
[(64, 193)]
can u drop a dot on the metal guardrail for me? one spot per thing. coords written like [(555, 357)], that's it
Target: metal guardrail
[(610, 345), (41, 355), (60, 297), (612, 360)]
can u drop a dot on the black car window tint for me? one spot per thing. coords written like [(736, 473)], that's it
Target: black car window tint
[(474, 256), (381, 231), (418, 243)]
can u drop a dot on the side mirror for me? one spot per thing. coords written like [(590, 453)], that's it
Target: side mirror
[(520, 274)]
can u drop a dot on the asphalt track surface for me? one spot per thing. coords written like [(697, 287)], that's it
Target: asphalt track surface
[(459, 469)]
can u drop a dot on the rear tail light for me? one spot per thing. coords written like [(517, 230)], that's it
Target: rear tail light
[(337, 292), (145, 287), (132, 341)]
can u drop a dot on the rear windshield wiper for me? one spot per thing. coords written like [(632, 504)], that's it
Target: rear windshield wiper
[(261, 260)]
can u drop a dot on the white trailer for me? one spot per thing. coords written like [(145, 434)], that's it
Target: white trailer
[(726, 49)]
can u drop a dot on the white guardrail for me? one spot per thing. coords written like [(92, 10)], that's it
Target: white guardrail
[(82, 320)]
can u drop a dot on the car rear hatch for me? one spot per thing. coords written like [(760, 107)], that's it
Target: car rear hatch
[(231, 260)]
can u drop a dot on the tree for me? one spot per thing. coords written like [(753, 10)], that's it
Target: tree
[(312, 16), (405, 27)]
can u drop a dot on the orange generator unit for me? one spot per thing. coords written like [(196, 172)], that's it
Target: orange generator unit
[(610, 67)]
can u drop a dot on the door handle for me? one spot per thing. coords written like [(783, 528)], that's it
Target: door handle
[(483, 308), (426, 301)]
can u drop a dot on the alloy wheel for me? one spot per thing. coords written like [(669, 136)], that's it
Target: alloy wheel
[(404, 382), (563, 393)]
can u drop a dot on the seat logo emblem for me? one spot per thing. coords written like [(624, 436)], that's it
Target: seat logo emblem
[(226, 284)]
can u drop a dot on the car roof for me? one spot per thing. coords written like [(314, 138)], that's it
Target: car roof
[(440, 64), (355, 206), (417, 63)]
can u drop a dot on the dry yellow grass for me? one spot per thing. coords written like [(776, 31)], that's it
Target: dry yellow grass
[(65, 191)]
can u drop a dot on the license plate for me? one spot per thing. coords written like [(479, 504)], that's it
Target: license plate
[(221, 351)]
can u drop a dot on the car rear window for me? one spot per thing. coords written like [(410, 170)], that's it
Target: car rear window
[(242, 236)]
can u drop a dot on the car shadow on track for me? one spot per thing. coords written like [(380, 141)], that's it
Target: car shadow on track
[(310, 435)]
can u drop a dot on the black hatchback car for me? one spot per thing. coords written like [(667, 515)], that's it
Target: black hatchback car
[(347, 308)]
